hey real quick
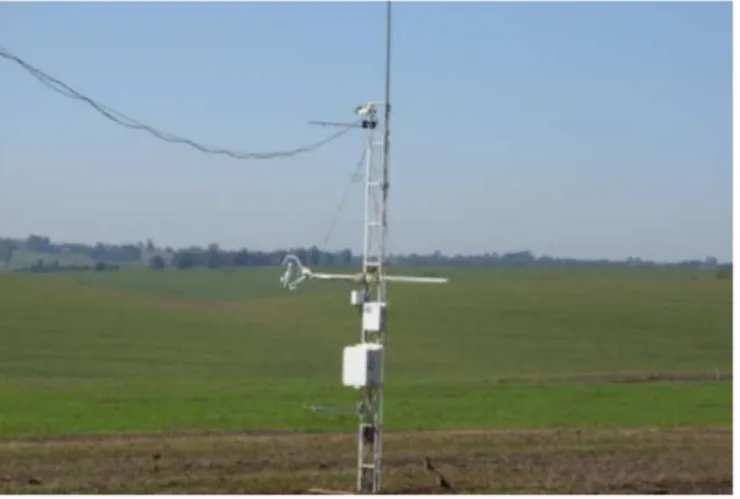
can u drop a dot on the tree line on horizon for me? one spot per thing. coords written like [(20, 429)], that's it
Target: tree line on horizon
[(112, 256)]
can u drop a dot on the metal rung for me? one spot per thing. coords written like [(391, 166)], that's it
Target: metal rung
[(368, 466)]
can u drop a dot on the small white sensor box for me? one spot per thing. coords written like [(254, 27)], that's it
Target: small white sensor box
[(373, 316), (357, 297)]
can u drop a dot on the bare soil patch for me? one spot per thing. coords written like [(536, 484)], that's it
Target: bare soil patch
[(621, 461)]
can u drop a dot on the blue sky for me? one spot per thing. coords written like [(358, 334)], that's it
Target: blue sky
[(578, 129)]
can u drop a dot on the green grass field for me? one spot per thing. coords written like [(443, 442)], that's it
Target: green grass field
[(137, 351)]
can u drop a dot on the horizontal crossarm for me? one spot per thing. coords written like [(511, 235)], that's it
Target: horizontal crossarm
[(295, 273)]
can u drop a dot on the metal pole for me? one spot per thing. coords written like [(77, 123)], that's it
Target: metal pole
[(370, 433), (370, 417), (386, 142), (383, 290), (373, 279), (367, 235)]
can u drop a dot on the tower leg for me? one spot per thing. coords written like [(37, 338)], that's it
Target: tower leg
[(369, 434)]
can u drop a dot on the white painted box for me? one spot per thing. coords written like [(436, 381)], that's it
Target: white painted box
[(373, 316), (362, 365)]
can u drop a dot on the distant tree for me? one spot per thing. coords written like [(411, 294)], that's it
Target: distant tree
[(214, 257), (545, 261), (691, 264), (183, 260), (241, 258), (724, 272), (6, 250), (80, 249), (38, 266), (518, 259), (314, 256), (38, 243), (100, 252), (157, 263), (345, 257), (277, 257), (326, 259), (129, 253), (99, 266)]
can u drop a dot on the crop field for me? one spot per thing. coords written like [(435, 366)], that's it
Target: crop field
[(510, 380)]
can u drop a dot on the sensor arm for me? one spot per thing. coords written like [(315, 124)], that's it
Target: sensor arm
[(291, 281), (414, 279), (388, 278)]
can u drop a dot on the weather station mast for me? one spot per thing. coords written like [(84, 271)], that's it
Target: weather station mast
[(363, 363)]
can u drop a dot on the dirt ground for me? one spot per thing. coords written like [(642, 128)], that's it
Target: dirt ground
[(687, 460)]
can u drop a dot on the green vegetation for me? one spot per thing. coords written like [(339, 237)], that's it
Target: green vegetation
[(140, 350)]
